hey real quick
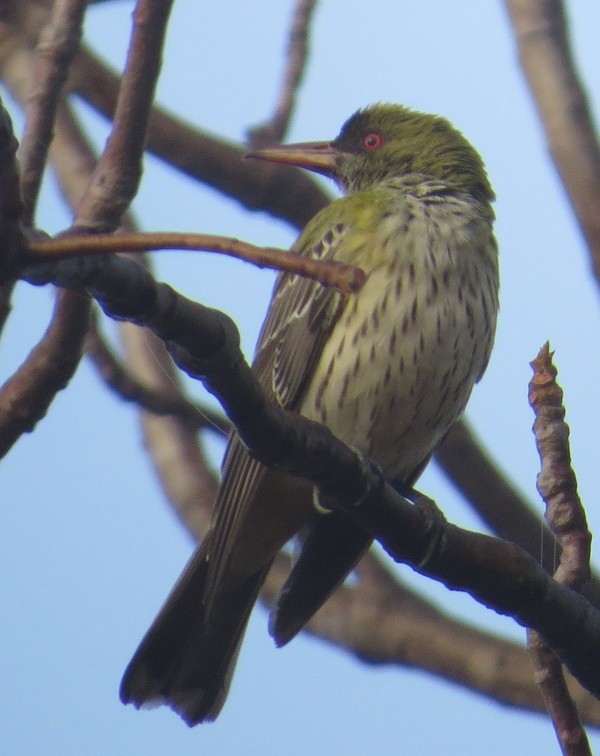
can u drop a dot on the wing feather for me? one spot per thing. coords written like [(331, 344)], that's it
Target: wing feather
[(300, 317)]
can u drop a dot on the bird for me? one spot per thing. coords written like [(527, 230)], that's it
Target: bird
[(388, 370)]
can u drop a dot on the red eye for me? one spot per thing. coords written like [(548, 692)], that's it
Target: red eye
[(372, 141)]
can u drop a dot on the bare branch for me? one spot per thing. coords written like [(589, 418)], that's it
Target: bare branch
[(556, 482), (548, 672), (115, 180), (46, 370), (565, 515), (541, 31), (58, 45), (274, 130), (26, 395), (205, 344), (188, 483), (381, 621), (328, 272)]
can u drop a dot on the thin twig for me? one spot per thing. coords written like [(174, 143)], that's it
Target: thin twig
[(548, 674), (328, 272), (57, 46), (541, 31), (557, 486), (274, 130)]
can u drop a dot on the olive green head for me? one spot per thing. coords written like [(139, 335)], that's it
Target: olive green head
[(390, 140), (383, 141)]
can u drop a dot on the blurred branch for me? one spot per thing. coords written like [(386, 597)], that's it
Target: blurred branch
[(381, 621), (57, 46), (328, 272), (275, 129), (542, 35), (178, 458), (565, 514), (284, 192)]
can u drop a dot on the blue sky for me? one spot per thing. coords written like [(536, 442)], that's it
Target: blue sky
[(88, 550)]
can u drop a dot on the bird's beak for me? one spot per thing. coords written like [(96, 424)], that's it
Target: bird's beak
[(320, 157)]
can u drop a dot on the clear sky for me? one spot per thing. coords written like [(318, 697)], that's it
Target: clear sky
[(88, 550)]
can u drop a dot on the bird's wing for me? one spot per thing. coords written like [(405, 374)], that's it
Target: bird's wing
[(300, 317)]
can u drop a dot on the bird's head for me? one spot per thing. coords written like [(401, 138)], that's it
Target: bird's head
[(384, 141)]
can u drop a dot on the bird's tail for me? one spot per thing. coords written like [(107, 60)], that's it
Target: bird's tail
[(329, 552), (187, 658)]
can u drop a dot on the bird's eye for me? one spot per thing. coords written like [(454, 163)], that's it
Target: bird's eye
[(372, 141)]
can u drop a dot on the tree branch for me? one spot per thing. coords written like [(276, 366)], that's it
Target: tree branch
[(205, 344), (27, 394), (117, 175), (274, 130), (565, 515), (57, 46), (381, 621), (328, 272), (544, 50)]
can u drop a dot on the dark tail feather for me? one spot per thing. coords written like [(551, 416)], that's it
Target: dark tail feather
[(186, 659), (333, 547)]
